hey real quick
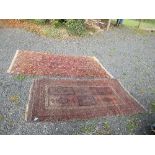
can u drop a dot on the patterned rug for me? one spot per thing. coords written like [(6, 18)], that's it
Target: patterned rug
[(40, 63), (59, 100)]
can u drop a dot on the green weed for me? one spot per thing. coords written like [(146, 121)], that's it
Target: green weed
[(15, 99), (1, 117), (132, 125), (153, 107), (88, 129), (105, 130), (20, 77)]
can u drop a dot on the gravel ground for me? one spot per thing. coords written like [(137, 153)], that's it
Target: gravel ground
[(128, 56)]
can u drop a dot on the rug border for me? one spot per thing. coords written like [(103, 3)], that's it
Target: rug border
[(131, 96), (13, 61), (110, 75), (29, 106)]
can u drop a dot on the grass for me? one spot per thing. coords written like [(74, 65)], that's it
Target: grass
[(1, 117), (106, 125), (145, 26), (132, 125), (62, 33), (105, 129), (152, 90), (20, 77), (112, 52), (124, 73), (153, 107), (51, 31), (15, 99), (1, 83), (39, 21), (142, 91), (44, 28), (133, 23), (88, 129)]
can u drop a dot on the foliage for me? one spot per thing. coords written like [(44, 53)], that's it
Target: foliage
[(106, 125), (59, 22), (152, 21), (146, 24), (15, 99), (20, 77), (105, 129), (57, 28), (55, 32), (76, 26), (88, 129), (1, 117), (41, 21), (153, 106), (1, 83), (132, 125)]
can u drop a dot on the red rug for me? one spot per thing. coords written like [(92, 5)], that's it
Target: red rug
[(58, 100), (39, 63)]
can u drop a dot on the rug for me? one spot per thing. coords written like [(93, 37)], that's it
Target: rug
[(40, 63), (61, 100)]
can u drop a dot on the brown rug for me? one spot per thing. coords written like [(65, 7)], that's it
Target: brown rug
[(58, 100), (39, 63)]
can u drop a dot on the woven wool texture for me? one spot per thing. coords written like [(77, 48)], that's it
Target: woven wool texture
[(59, 100), (39, 63)]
